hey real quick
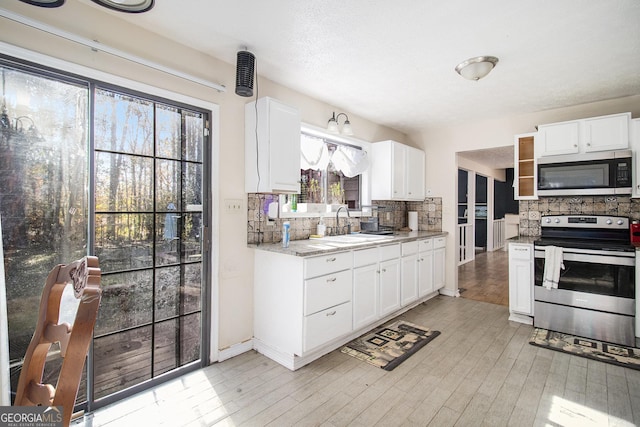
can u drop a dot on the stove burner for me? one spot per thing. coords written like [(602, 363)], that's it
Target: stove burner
[(586, 244), (596, 232)]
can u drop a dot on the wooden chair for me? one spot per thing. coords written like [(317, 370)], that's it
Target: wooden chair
[(74, 339)]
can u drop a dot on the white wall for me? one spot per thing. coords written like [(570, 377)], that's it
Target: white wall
[(234, 276), (442, 143)]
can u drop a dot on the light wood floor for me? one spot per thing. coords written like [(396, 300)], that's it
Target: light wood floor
[(479, 371), (486, 278)]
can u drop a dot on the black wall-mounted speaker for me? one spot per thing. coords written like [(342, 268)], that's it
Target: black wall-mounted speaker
[(244, 73)]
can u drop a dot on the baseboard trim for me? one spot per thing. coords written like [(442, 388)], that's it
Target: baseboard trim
[(449, 292), (520, 318), (235, 350), (295, 362)]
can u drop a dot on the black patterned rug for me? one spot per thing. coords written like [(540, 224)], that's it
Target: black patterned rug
[(629, 357), (390, 345)]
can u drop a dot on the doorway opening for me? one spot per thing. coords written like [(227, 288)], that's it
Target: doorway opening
[(485, 199)]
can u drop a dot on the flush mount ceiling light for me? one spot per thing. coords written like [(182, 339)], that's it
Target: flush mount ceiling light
[(45, 3), (476, 68), (332, 124), (130, 6)]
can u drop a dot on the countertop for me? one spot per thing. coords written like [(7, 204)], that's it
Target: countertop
[(324, 245), (522, 239)]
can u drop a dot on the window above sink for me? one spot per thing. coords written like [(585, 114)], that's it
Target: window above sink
[(334, 172)]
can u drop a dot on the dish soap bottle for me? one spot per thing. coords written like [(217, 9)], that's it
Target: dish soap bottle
[(285, 234), (321, 229)]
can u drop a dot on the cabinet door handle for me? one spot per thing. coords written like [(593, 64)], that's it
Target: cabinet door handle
[(384, 270), (331, 313), (333, 279), (331, 259)]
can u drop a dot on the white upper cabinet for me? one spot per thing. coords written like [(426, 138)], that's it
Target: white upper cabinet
[(398, 172), (415, 161), (272, 162), (525, 167), (607, 133), (559, 138), (635, 146), (603, 133)]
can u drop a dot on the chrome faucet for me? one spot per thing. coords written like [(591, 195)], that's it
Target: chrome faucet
[(348, 226)]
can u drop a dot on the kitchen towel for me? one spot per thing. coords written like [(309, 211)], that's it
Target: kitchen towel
[(413, 220), (553, 258)]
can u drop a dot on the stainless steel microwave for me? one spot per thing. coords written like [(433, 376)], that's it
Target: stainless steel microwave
[(607, 172)]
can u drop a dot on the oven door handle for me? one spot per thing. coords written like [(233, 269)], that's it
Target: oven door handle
[(593, 259)]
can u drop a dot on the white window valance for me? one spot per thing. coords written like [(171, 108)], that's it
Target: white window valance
[(350, 161), (315, 154)]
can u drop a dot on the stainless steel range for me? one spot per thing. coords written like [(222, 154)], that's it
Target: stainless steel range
[(595, 295)]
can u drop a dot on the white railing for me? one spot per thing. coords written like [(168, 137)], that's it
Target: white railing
[(466, 251), (499, 232)]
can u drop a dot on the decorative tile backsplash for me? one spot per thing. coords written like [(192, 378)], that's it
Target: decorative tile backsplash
[(262, 230), (532, 210)]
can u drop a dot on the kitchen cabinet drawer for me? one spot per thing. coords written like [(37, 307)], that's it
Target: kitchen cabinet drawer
[(365, 257), (326, 325), (389, 252), (409, 248), (330, 263), (327, 291), (520, 251), (425, 245), (439, 242)]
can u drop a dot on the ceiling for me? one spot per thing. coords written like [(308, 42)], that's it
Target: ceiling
[(392, 62), (495, 158)]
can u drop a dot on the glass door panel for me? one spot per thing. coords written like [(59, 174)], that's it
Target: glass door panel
[(43, 193), (146, 186), (149, 232)]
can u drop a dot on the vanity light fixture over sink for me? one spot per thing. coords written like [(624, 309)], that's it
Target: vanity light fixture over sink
[(332, 124)]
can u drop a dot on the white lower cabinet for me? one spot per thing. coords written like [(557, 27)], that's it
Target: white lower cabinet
[(425, 267), (429, 268), (365, 287), (305, 307), (326, 325), (439, 257), (389, 282), (409, 287), (521, 282)]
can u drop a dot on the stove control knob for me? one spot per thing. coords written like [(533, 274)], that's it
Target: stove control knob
[(547, 220), (609, 222), (620, 222), (557, 220)]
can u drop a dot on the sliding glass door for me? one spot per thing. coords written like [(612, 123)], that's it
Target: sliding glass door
[(148, 237), (91, 169)]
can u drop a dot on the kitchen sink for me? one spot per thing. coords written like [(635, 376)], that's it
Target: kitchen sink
[(353, 238)]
